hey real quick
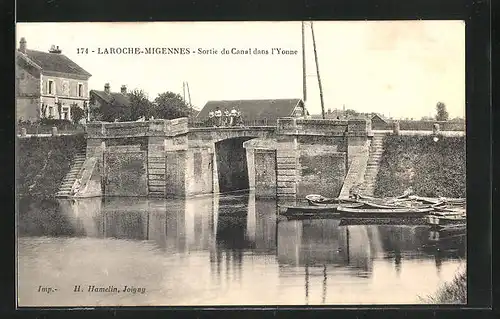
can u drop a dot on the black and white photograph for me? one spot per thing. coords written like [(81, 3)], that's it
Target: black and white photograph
[(300, 163)]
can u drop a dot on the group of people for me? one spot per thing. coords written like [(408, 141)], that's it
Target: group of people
[(224, 118)]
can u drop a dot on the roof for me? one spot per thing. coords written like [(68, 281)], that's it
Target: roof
[(113, 98), (255, 109), (379, 116), (54, 62)]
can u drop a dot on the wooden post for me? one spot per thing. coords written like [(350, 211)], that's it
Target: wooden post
[(54, 131), (435, 129), (23, 132), (395, 127)]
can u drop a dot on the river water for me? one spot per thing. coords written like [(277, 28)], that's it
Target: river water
[(222, 250)]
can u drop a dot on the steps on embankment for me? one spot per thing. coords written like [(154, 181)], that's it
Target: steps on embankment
[(66, 187), (156, 176), (376, 150), (354, 175)]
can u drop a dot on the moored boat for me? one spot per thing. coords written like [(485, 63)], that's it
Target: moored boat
[(445, 219), (319, 200), (371, 212), (325, 210)]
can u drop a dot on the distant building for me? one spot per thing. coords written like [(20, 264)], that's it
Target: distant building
[(379, 122), (258, 110), (48, 84), (113, 99)]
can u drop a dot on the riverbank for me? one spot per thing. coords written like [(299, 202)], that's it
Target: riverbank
[(453, 292), (43, 162), (431, 168)]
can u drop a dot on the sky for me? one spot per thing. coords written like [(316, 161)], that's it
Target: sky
[(397, 68)]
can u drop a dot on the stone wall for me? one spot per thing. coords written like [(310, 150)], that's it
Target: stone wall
[(125, 173), (199, 166), (321, 173), (175, 174), (264, 173)]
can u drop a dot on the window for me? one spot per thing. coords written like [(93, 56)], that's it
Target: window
[(50, 87), (80, 90), (65, 113)]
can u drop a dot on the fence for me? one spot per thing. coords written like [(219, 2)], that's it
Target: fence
[(35, 129), (405, 125), (248, 123)]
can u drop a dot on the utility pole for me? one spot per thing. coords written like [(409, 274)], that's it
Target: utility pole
[(184, 91), (317, 71), (304, 82), (189, 94)]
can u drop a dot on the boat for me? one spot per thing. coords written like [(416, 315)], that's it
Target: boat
[(442, 219), (319, 200), (371, 212), (323, 211), (357, 221)]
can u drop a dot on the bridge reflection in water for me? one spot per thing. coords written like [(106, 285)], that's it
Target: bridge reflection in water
[(230, 250)]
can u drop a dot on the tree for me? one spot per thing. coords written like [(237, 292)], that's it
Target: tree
[(59, 109), (44, 110), (77, 113), (109, 112), (139, 105), (442, 114), (170, 105)]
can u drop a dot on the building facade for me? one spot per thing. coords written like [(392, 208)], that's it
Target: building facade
[(48, 84)]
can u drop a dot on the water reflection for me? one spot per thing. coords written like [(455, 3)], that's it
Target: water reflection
[(231, 250)]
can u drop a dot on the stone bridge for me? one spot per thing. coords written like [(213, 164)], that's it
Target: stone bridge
[(166, 158)]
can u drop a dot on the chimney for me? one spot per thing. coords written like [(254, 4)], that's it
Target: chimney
[(22, 45), (106, 88), (123, 89), (54, 49)]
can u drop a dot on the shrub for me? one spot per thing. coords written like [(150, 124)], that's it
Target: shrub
[(431, 168), (43, 163), (453, 292)]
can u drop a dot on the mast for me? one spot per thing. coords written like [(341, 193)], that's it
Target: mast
[(184, 91), (317, 72), (304, 89), (189, 94)]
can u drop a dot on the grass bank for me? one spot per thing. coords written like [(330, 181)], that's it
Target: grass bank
[(453, 292), (43, 162), (431, 168)]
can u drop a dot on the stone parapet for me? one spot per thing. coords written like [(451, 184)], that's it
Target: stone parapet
[(136, 129), (294, 126)]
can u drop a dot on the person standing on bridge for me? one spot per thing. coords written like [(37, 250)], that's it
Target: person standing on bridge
[(233, 115), (226, 117), (211, 119), (238, 119), (218, 116)]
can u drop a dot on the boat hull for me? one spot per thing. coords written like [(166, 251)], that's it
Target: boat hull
[(445, 221), (382, 212)]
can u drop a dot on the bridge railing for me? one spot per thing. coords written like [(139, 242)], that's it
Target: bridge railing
[(247, 123)]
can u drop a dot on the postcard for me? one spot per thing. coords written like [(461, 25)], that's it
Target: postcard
[(240, 163)]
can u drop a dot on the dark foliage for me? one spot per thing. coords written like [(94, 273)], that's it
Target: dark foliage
[(77, 114), (441, 113), (431, 168), (170, 105), (43, 162)]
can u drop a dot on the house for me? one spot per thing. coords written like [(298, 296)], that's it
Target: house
[(48, 84), (379, 122), (98, 99), (260, 111)]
